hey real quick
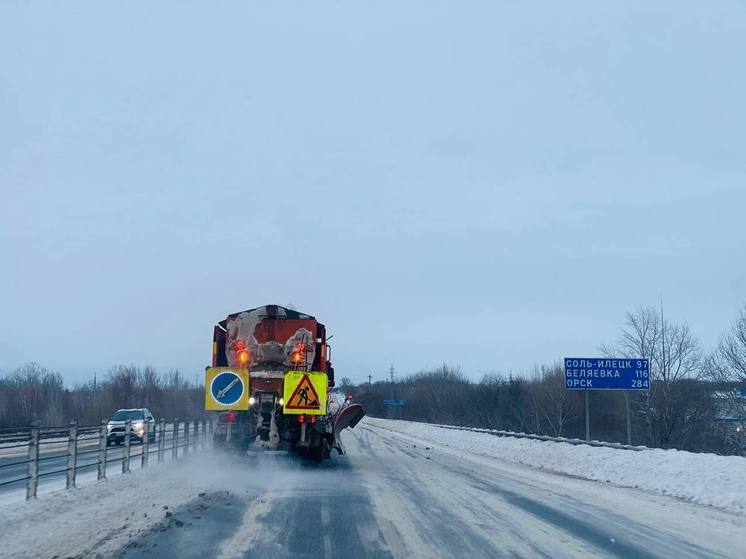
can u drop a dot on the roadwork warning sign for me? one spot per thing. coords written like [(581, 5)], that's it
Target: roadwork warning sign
[(304, 393)]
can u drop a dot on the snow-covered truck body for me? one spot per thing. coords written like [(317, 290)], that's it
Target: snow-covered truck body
[(270, 379)]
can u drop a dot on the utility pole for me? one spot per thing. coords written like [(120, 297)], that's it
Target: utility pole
[(95, 387), (663, 344), (370, 378), (391, 377)]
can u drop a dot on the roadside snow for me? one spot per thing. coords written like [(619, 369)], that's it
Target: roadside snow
[(101, 517), (707, 479)]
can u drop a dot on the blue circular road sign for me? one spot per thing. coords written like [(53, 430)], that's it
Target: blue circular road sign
[(227, 388)]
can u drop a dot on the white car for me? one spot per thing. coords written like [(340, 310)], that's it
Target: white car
[(139, 418)]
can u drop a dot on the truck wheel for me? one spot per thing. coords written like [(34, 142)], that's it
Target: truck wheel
[(317, 453), (321, 452)]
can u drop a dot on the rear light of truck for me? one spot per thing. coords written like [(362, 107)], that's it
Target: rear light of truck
[(313, 419), (241, 352), (298, 355)]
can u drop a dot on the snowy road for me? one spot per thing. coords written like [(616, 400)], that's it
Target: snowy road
[(390, 496), (393, 497)]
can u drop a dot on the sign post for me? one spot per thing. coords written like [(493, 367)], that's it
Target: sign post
[(396, 403), (600, 373), (629, 421)]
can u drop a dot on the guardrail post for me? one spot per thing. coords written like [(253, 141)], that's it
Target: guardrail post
[(175, 440), (186, 437), (103, 444), (72, 454), (197, 440), (204, 433), (33, 461), (126, 451), (161, 439), (144, 448)]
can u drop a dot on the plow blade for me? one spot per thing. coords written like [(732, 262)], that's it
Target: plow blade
[(348, 417)]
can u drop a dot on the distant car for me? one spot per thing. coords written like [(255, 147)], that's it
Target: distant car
[(138, 418)]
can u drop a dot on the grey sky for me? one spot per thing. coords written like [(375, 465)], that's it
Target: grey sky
[(485, 183)]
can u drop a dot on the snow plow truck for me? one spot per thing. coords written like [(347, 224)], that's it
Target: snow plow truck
[(271, 384)]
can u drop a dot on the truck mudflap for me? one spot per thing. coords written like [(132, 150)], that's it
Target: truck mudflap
[(348, 416)]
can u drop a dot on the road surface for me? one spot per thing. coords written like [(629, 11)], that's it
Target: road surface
[(392, 496)]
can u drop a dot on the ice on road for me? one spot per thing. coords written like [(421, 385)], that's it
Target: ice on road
[(392, 495)]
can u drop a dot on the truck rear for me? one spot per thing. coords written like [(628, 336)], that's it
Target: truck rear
[(270, 380)]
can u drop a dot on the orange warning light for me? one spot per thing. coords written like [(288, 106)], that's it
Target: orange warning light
[(242, 356)]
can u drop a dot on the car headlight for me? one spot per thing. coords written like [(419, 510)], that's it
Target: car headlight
[(109, 427)]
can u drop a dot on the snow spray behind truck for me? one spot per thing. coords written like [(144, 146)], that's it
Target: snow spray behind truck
[(270, 383)]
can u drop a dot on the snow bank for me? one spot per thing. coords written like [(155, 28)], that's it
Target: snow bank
[(100, 518), (707, 479)]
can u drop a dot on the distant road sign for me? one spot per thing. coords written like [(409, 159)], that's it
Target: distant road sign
[(601, 373), (393, 402)]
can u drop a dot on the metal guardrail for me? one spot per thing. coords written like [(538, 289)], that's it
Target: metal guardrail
[(499, 433), (36, 437)]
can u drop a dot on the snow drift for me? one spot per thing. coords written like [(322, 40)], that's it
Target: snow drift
[(706, 479)]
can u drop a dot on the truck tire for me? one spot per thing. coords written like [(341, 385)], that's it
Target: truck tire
[(321, 452)]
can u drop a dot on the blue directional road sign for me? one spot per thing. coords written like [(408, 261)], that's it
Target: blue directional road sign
[(227, 388), (393, 402), (601, 373)]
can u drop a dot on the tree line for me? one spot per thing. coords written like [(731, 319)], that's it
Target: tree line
[(692, 393), (34, 393), (695, 402)]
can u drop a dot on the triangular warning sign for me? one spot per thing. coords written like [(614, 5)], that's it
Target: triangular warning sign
[(304, 396)]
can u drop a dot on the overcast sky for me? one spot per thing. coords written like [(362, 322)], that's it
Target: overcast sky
[(490, 184)]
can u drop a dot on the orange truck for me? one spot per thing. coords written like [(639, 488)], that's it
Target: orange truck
[(271, 382)]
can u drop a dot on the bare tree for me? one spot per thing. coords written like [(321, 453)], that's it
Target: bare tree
[(554, 404), (675, 356), (345, 384), (124, 381), (731, 351), (34, 393), (150, 386)]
